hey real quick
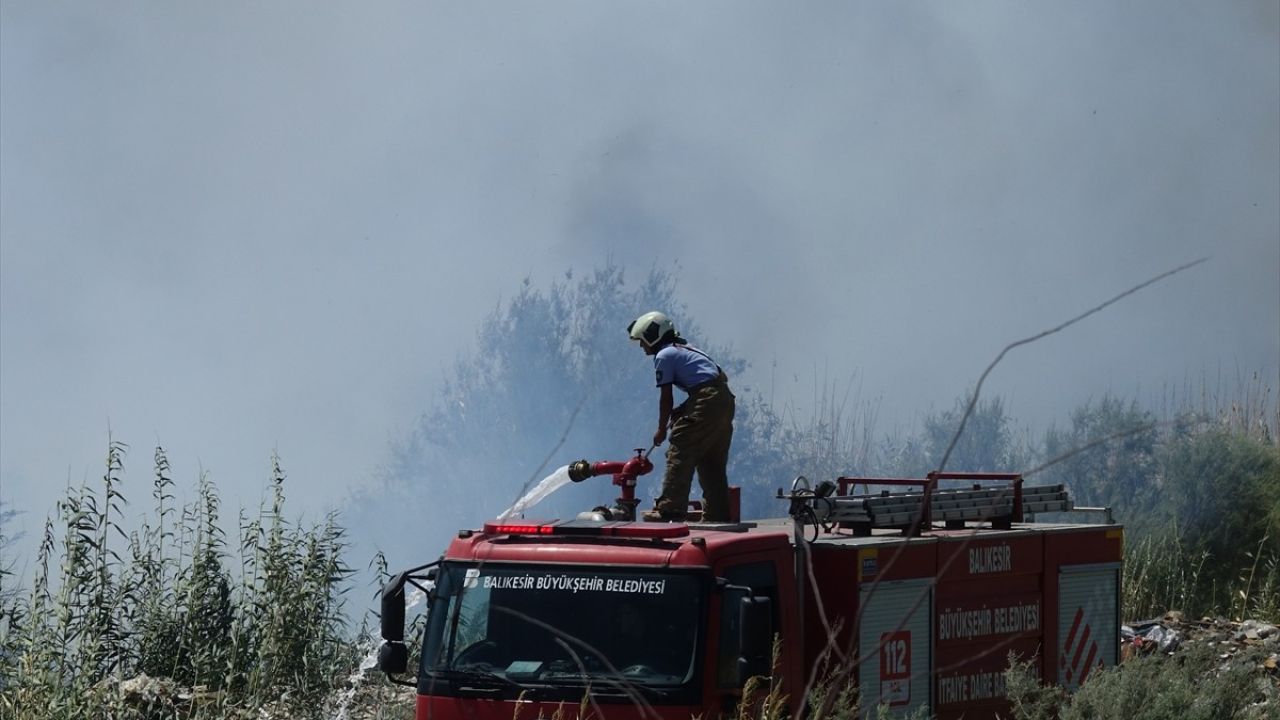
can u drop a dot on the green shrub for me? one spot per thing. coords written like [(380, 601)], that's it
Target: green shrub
[(1194, 684)]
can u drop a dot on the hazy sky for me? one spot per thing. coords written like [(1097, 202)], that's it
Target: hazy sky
[(230, 227)]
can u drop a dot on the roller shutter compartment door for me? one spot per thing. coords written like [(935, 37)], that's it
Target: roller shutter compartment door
[(893, 644), (1088, 621)]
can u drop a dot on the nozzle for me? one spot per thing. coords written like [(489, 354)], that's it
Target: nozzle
[(580, 470)]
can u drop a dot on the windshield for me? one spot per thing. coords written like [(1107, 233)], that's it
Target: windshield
[(552, 625)]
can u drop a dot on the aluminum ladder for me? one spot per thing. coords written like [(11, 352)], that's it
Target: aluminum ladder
[(914, 511)]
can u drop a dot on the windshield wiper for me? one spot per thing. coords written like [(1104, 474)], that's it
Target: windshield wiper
[(485, 678), (608, 684)]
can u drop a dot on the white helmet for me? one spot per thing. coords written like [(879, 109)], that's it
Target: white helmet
[(650, 328)]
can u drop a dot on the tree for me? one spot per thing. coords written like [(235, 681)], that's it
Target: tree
[(988, 444), (1222, 491), (12, 613), (7, 592), (1109, 458)]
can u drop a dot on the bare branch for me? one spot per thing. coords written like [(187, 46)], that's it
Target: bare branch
[(973, 401)]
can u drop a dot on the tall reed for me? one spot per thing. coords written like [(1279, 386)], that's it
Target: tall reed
[(228, 630)]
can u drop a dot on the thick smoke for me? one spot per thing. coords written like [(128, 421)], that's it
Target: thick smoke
[(238, 228)]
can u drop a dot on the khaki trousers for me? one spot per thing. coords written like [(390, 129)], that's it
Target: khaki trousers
[(700, 440)]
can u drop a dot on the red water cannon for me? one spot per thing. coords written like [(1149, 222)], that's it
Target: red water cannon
[(624, 475)]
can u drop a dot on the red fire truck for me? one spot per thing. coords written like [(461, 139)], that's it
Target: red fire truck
[(917, 591)]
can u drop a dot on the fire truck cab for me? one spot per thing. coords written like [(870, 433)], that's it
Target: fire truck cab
[(918, 597)]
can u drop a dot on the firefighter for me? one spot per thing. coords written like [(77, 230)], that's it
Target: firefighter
[(701, 427)]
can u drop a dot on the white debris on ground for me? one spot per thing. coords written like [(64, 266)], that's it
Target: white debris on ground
[(1255, 642), (1172, 631)]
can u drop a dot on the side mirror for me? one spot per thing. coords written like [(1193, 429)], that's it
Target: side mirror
[(392, 615), (393, 658), (755, 637), (393, 655)]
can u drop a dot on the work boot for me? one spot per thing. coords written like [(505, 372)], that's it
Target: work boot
[(661, 516), (664, 510)]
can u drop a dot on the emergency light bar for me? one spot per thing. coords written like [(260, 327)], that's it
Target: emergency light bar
[(648, 531), (493, 528)]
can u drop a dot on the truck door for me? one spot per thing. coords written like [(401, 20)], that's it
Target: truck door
[(894, 638), (761, 577), (1088, 631)]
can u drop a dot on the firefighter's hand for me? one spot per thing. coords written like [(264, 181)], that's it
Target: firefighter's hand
[(659, 436)]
